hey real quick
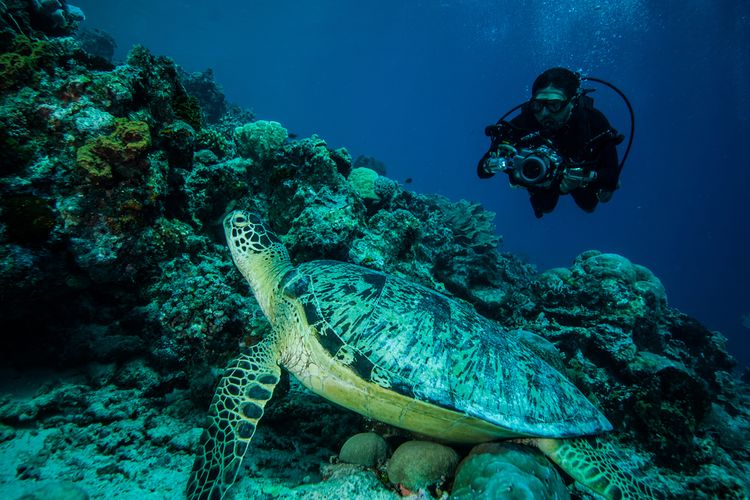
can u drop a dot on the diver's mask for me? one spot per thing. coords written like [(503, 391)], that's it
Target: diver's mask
[(552, 105), (557, 114)]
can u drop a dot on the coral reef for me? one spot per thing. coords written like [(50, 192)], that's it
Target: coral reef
[(119, 303), (648, 365), (204, 88), (19, 65), (40, 17)]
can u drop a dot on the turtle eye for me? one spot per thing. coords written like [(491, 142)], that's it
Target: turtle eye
[(239, 219)]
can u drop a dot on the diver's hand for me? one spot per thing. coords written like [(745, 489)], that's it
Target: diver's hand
[(574, 178), (569, 183), (495, 163)]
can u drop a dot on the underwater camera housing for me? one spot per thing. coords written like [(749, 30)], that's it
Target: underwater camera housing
[(538, 167)]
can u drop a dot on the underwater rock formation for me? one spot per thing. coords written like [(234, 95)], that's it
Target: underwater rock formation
[(115, 279), (98, 43), (364, 161), (40, 17), (203, 87)]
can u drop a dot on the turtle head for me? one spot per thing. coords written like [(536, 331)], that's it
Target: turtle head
[(258, 253), (247, 234)]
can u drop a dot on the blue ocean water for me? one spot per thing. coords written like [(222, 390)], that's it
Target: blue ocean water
[(413, 83)]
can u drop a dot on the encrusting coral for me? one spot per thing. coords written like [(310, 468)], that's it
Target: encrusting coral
[(118, 152), (19, 65)]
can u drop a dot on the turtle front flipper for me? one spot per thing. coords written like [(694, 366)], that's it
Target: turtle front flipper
[(597, 467), (235, 410)]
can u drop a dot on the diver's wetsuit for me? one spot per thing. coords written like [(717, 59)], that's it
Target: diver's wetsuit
[(574, 142)]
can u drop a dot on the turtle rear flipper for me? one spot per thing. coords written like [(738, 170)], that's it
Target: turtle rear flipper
[(235, 410), (597, 467)]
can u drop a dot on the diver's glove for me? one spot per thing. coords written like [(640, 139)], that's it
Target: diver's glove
[(574, 178), (495, 163)]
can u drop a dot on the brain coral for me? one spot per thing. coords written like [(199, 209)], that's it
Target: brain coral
[(363, 180), (419, 464), (506, 470), (366, 448)]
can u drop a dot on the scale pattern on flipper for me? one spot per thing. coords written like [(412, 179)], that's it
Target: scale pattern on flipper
[(235, 410), (598, 466)]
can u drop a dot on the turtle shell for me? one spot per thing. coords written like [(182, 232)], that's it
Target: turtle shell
[(429, 347)]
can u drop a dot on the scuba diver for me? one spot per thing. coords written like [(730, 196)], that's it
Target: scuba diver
[(558, 144)]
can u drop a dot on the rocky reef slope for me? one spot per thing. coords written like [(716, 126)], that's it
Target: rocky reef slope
[(119, 304)]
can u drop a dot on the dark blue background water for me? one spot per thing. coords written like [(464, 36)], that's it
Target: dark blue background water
[(413, 83)]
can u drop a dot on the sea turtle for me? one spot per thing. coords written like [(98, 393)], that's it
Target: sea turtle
[(399, 353)]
